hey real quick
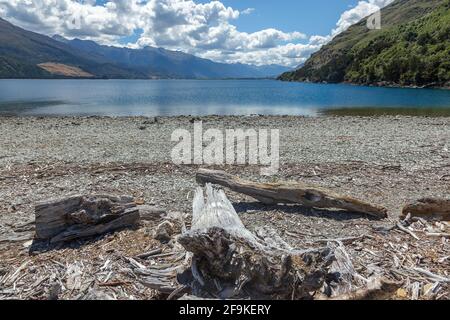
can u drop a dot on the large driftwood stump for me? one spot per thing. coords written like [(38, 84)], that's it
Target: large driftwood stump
[(229, 261), (290, 193), (220, 259), (83, 216), (428, 208)]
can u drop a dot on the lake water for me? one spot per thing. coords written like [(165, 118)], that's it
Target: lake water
[(223, 97)]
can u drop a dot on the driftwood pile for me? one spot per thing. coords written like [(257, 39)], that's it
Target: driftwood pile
[(224, 260), (212, 255)]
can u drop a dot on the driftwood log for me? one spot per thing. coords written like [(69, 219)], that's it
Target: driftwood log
[(376, 289), (290, 193), (428, 208), (218, 258), (228, 261), (83, 216)]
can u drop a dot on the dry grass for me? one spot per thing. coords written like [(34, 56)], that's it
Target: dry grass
[(65, 70)]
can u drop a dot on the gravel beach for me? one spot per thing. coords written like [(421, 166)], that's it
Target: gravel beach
[(386, 160)]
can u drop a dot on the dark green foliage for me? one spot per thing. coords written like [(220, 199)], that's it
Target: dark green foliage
[(13, 68), (410, 51)]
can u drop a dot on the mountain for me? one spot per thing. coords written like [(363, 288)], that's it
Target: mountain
[(21, 53), (171, 64), (411, 49), (26, 54)]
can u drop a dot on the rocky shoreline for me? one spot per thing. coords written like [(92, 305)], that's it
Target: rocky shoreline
[(386, 161)]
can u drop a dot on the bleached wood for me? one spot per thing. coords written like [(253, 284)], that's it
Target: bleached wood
[(83, 216), (428, 208), (284, 193), (229, 261)]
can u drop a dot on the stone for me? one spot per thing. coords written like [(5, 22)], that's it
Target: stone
[(164, 231)]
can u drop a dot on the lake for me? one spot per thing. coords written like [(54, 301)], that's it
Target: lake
[(207, 97)]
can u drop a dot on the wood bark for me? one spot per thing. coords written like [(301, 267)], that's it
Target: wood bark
[(229, 261), (376, 289), (428, 208), (219, 258), (291, 193), (83, 216)]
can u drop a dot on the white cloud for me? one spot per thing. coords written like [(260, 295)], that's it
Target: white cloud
[(356, 14), (204, 29), (248, 11)]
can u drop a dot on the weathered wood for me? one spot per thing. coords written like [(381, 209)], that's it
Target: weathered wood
[(128, 219), (149, 254), (406, 230), (229, 261), (376, 289), (428, 208), (83, 216), (349, 279), (159, 279), (283, 193), (17, 238), (151, 213)]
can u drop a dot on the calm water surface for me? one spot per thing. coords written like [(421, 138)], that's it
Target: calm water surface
[(223, 97)]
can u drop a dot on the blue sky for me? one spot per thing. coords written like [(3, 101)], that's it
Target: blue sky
[(311, 17), (284, 32), (308, 16)]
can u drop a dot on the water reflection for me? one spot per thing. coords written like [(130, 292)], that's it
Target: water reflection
[(206, 97)]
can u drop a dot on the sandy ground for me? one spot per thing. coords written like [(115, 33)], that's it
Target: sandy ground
[(387, 161)]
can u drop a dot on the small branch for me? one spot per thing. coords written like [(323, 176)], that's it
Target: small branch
[(402, 228), (438, 234), (432, 276), (343, 240), (149, 254), (114, 284)]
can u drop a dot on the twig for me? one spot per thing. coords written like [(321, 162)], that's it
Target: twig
[(178, 292), (371, 252), (343, 240), (431, 275), (402, 228), (13, 277), (114, 284), (415, 291), (149, 254), (438, 234)]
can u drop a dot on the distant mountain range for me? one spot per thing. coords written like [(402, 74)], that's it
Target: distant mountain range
[(411, 49), (26, 54)]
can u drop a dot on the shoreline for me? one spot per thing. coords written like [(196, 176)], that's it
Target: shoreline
[(350, 112), (374, 85), (276, 78), (410, 145), (387, 161)]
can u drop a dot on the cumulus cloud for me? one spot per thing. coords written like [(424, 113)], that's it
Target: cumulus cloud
[(204, 29), (356, 14)]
